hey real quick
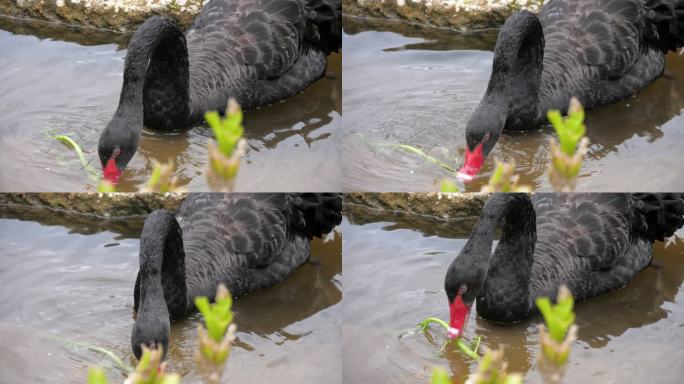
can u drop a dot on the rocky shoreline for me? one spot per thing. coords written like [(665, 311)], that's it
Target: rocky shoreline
[(462, 15), (117, 15), (126, 15)]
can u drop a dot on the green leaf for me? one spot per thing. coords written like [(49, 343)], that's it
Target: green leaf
[(570, 130), (217, 316), (558, 317), (228, 131)]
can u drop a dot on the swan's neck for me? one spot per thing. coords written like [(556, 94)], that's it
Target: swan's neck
[(161, 279), (517, 70), (504, 294), (156, 77)]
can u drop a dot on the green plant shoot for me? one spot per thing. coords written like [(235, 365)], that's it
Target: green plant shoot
[(448, 186), (217, 316), (228, 130), (439, 376), (105, 186), (492, 370), (96, 375), (558, 317), (571, 129)]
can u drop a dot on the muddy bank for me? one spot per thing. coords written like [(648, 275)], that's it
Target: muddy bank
[(99, 204), (457, 14), (429, 206), (118, 15)]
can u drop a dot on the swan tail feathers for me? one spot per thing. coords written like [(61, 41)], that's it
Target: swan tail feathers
[(666, 19), (316, 214), (659, 215), (325, 29)]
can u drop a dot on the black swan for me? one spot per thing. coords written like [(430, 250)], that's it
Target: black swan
[(257, 51), (593, 243), (599, 51), (244, 241)]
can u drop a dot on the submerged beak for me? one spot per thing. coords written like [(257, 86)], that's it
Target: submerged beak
[(110, 172), (473, 163), (458, 319)]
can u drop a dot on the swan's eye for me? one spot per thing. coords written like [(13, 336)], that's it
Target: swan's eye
[(462, 290), (486, 137)]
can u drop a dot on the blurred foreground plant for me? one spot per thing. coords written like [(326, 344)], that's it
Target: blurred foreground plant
[(503, 179), (492, 369), (562, 332), (162, 179), (215, 340), (567, 156), (227, 151), (448, 186), (440, 376), (150, 370)]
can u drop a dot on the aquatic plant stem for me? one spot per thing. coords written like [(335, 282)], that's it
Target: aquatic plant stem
[(471, 353), (92, 174), (425, 323), (112, 356)]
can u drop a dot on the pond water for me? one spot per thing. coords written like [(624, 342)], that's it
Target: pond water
[(63, 80), (393, 277), (66, 282), (418, 86)]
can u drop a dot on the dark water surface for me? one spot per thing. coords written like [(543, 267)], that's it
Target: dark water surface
[(66, 281), (393, 279), (65, 80), (410, 85)]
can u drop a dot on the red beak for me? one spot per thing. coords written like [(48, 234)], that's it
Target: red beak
[(459, 317), (111, 173), (473, 163)]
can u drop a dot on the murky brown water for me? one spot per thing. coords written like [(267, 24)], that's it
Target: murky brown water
[(68, 279), (409, 85), (393, 278), (66, 80)]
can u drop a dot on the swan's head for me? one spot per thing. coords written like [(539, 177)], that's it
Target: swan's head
[(462, 283), (116, 148), (482, 132), (152, 330)]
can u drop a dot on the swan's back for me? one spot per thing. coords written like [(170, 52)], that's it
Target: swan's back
[(246, 241), (236, 46), (600, 51), (597, 242), (587, 241)]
